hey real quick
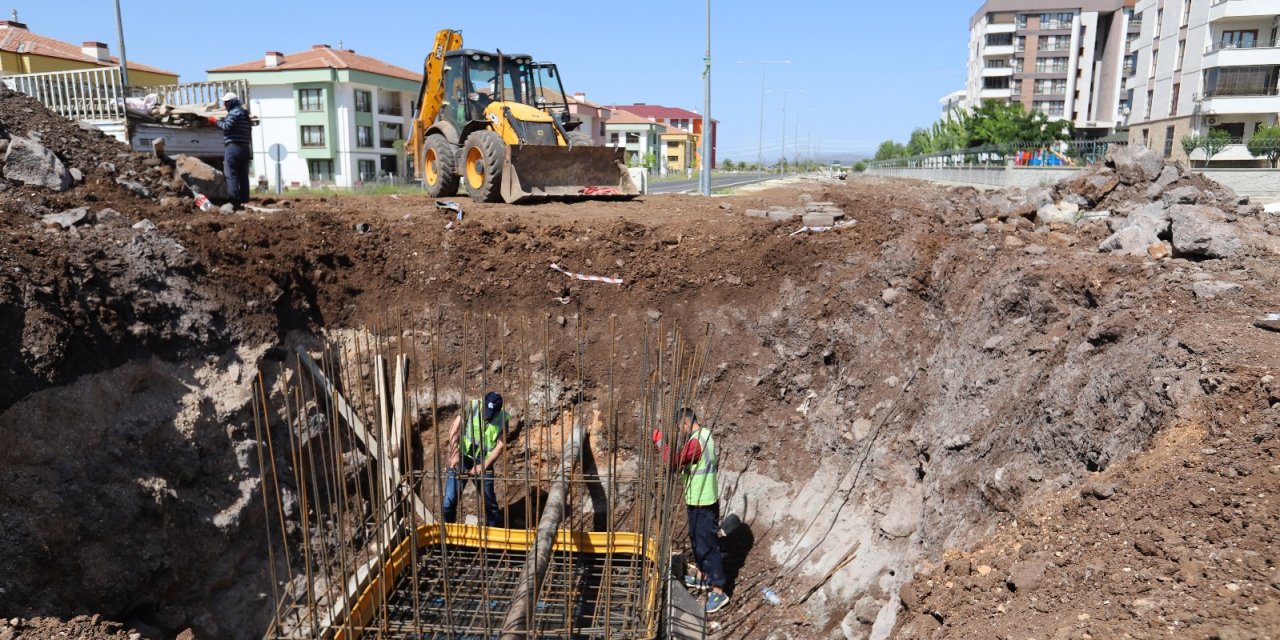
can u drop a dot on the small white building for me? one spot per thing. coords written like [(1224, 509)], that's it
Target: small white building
[(338, 114)]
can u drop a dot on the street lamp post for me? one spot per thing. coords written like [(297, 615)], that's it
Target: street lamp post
[(124, 62), (760, 141), (704, 177), (782, 154)]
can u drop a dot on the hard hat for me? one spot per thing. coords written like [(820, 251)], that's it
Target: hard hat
[(229, 96)]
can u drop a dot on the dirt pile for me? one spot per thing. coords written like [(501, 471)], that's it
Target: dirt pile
[(911, 383)]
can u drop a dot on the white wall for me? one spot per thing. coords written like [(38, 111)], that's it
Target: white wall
[(274, 105)]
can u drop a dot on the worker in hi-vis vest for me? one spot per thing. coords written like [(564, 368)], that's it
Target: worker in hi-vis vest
[(476, 440), (699, 465)]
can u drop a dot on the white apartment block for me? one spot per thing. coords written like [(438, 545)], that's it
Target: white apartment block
[(953, 102), (1206, 65), (1065, 58), (338, 114)]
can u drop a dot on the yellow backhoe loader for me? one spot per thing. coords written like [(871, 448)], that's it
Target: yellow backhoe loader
[(500, 124)]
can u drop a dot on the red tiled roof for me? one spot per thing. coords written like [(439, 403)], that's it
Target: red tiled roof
[(620, 116), (14, 35), (324, 57), (657, 111)]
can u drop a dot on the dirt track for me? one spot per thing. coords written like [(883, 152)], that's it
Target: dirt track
[(1036, 439)]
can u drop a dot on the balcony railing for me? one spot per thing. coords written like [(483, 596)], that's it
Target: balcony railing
[(1256, 44), (390, 111), (1243, 92)]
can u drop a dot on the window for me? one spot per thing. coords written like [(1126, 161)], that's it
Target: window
[(673, 145), (320, 170), (1022, 21), (999, 39), (1182, 52), (1241, 81), (1159, 21), (633, 137), (1021, 44), (1001, 82), (1015, 86), (364, 101), (1051, 87), (1129, 39), (366, 170), (313, 136), (364, 136), (1017, 64), (1146, 137), (673, 159), (1055, 20), (310, 100), (997, 63), (1131, 64), (1238, 40), (1056, 43), (1235, 130), (1168, 141), (1049, 107), (1051, 65), (1186, 12), (388, 133), (1173, 102), (613, 139), (602, 128)]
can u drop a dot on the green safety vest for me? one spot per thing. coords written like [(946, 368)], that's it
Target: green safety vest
[(479, 438), (701, 487)]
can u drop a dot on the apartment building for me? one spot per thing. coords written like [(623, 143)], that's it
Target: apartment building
[(24, 51), (1206, 65), (1064, 58), (638, 136), (338, 114), (678, 119)]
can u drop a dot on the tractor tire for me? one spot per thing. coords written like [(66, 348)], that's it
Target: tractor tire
[(482, 158), (440, 167), (580, 139)]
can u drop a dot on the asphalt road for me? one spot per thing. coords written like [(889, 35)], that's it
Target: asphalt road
[(717, 182)]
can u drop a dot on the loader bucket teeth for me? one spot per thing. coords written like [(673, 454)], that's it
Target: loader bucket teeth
[(561, 173)]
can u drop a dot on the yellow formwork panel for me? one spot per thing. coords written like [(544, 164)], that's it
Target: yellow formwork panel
[(465, 535)]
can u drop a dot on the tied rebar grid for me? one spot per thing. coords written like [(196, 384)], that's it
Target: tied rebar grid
[(353, 448)]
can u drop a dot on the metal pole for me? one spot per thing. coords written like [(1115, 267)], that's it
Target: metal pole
[(760, 140), (782, 154), (124, 60), (707, 125)]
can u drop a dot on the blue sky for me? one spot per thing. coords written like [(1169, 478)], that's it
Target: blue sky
[(860, 71)]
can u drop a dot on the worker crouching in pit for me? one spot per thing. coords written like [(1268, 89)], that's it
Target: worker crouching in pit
[(699, 464), (474, 449)]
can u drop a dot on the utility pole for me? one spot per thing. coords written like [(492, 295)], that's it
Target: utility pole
[(760, 141), (782, 154), (124, 60), (704, 178)]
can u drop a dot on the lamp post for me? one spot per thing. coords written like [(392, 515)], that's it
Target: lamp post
[(782, 154), (760, 141), (124, 62), (704, 176)]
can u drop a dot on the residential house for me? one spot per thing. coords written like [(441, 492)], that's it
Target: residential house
[(1206, 65), (953, 102), (679, 119), (679, 151), (23, 51), (637, 135), (338, 114), (593, 117), (1069, 59)]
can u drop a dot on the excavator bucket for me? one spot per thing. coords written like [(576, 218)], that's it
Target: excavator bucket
[(532, 172)]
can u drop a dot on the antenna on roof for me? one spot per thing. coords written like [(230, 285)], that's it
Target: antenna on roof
[(340, 47), (15, 15)]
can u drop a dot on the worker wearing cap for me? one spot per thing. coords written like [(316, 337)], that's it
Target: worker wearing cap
[(237, 142), (699, 464), (476, 440)]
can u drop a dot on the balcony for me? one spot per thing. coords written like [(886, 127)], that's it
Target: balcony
[(1241, 9), (989, 94), (997, 50), (1254, 54), (1264, 103), (1001, 27), (995, 72)]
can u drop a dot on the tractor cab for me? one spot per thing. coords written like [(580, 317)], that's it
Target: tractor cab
[(472, 82)]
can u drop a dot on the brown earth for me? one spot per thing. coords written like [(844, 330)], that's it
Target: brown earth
[(1036, 439)]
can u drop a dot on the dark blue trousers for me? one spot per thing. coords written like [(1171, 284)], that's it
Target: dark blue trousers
[(455, 485), (704, 523), (235, 166)]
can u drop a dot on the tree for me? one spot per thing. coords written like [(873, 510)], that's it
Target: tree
[(859, 166), (889, 150), (998, 123), (1216, 141), (1190, 143), (921, 143), (1265, 143), (727, 164)]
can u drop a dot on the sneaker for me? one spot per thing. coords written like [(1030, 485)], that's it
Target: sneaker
[(716, 602), (694, 582)]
